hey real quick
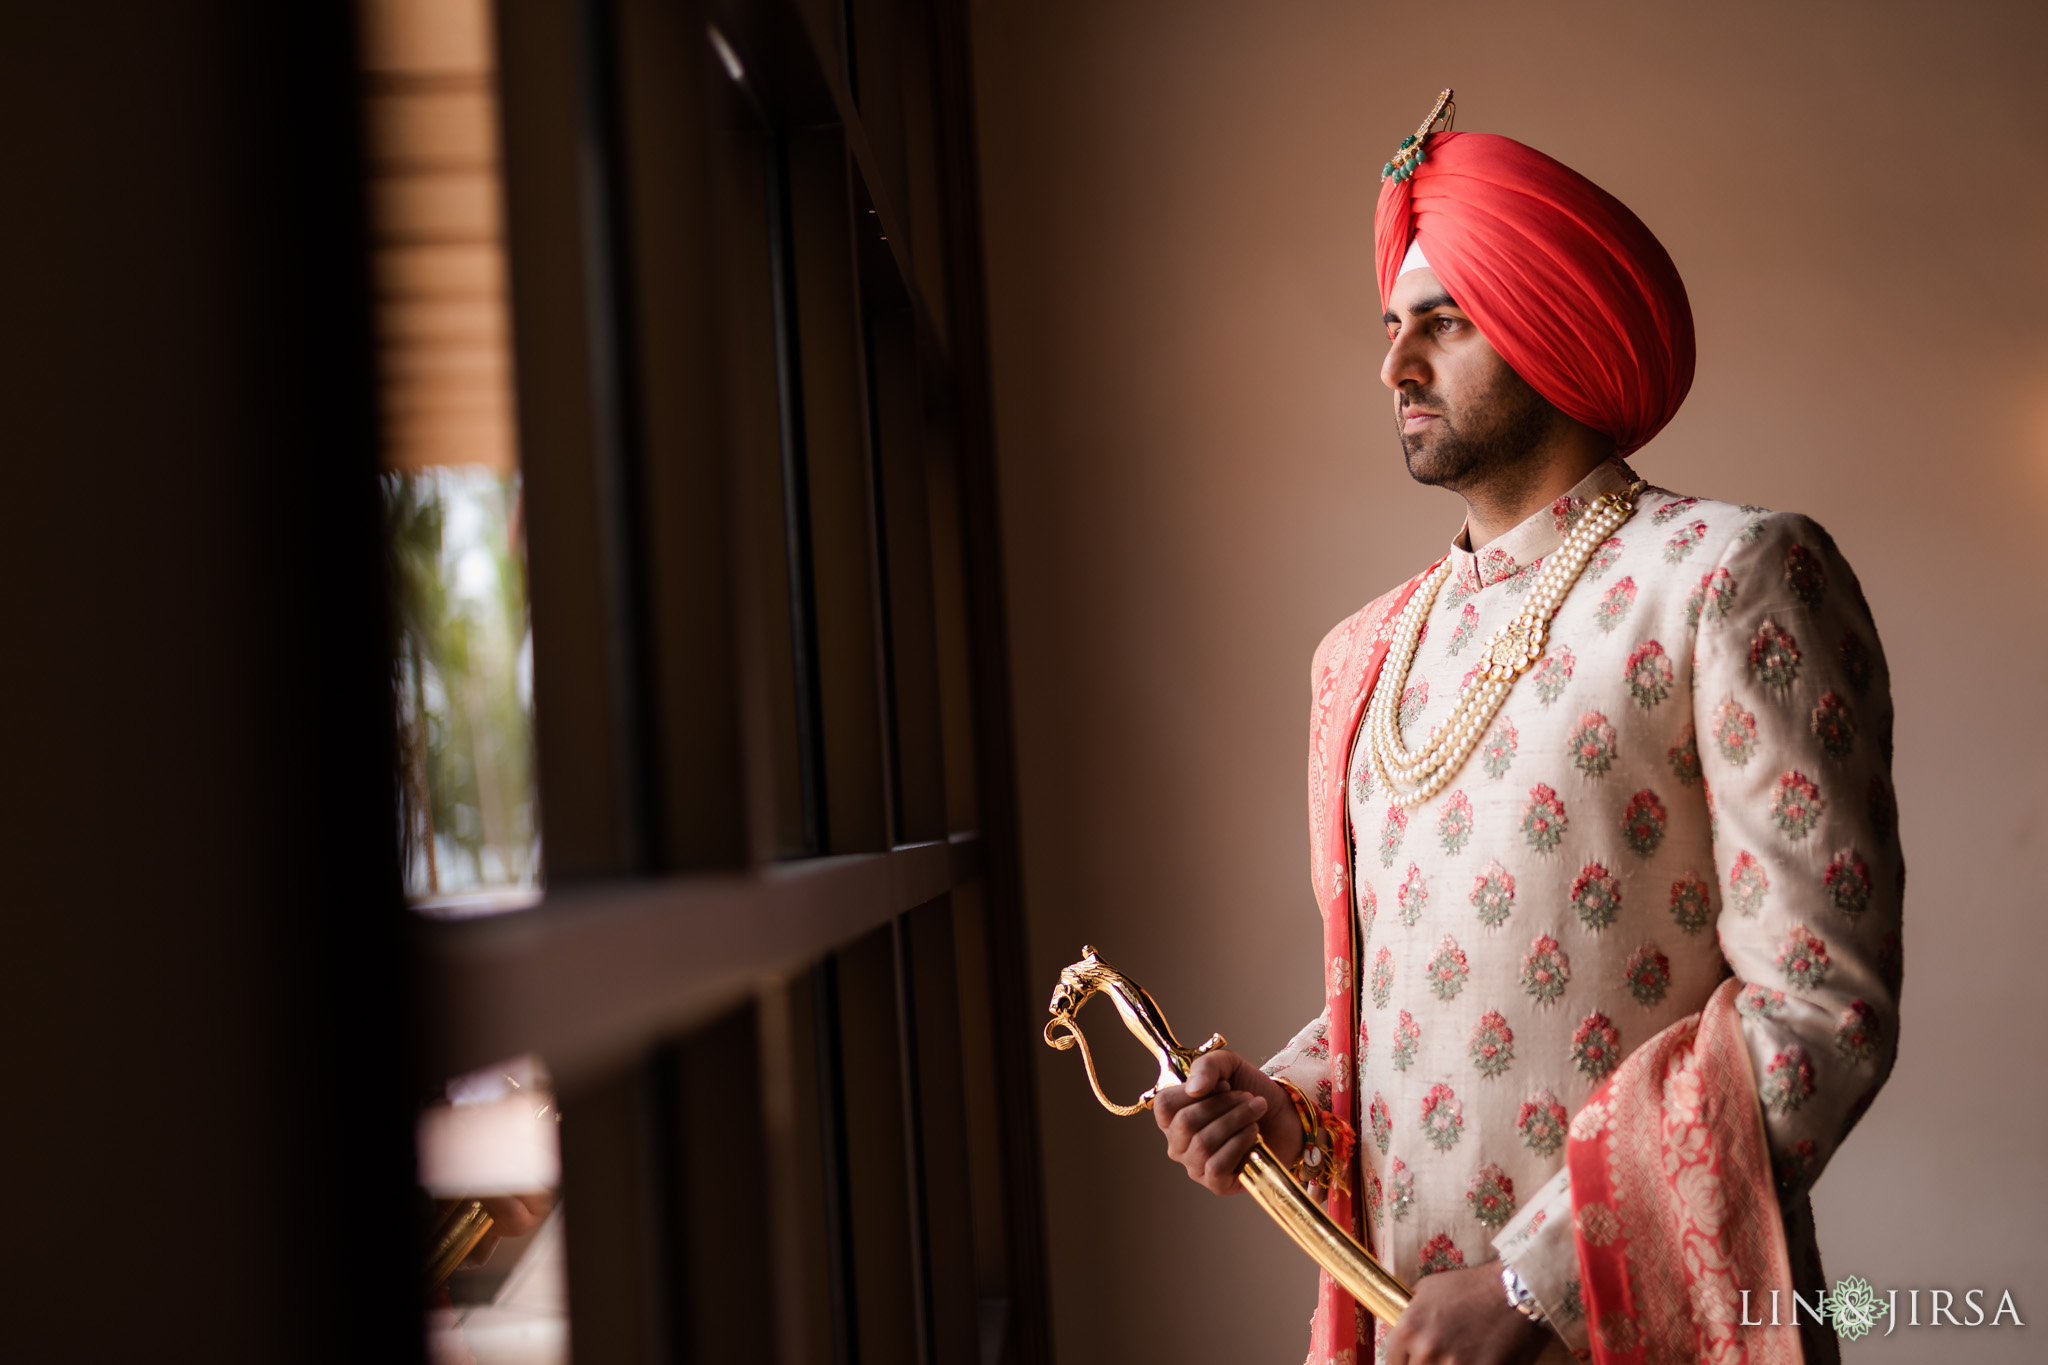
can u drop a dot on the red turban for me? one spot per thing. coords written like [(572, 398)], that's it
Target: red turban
[(1569, 286)]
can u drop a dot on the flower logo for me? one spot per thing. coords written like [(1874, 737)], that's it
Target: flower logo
[(1854, 1307)]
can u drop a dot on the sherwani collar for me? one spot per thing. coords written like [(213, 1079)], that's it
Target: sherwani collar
[(1522, 549)]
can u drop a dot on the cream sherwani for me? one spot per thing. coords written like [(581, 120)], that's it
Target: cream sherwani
[(1693, 783)]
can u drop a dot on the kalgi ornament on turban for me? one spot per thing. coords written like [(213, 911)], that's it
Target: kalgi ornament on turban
[(1575, 293)]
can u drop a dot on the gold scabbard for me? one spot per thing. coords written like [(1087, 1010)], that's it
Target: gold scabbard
[(1332, 1248), (1262, 1175)]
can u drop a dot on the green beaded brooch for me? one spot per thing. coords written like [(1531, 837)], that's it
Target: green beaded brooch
[(1410, 153)]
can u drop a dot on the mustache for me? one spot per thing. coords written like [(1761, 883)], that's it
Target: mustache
[(1426, 398)]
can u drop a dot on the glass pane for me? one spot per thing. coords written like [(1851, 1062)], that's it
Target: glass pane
[(463, 680), (462, 667)]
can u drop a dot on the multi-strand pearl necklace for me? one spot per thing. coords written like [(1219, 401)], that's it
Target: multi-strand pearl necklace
[(1412, 778)]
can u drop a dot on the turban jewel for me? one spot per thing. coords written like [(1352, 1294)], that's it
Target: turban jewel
[(1575, 293)]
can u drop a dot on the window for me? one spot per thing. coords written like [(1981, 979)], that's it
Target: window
[(772, 989)]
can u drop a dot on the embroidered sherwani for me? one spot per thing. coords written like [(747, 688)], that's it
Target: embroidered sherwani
[(1694, 782)]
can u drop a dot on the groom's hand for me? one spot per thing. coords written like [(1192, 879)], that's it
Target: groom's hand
[(1463, 1317), (1211, 1120)]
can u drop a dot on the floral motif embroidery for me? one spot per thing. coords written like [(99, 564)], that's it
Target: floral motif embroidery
[(1847, 882), (1614, 604), (1753, 532), (1520, 581), (1796, 805), (1856, 1033), (1857, 665), (1603, 558), (1496, 564), (1407, 1037), (1799, 1164), (1596, 1046), (1413, 895), (1413, 700), (1834, 725), (1747, 883), (1375, 1198), (1734, 732), (1454, 826), (1804, 575), (1684, 759), (1545, 970), (1595, 894), (1493, 895), (1382, 978), (1884, 816), (1551, 674), (1448, 970), (1670, 511), (1364, 781), (1566, 511), (1648, 974), (1760, 1002), (1498, 751), (1803, 959), (1338, 974), (1787, 1081), (1391, 833), (1493, 1044), (1440, 1253), (1543, 819), (1364, 1048), (1683, 542), (1401, 1190), (1382, 1122), (1774, 657), (1368, 909), (1491, 1197), (1642, 822), (1443, 1117), (1692, 903), (1541, 1124), (1468, 626), (1717, 596), (1592, 745), (1649, 674)]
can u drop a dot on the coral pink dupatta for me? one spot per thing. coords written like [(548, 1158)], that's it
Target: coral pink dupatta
[(1673, 1207), (1346, 666)]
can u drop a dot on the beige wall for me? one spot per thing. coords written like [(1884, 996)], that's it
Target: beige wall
[(1199, 477)]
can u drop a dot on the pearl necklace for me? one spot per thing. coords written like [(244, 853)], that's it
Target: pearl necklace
[(1412, 778)]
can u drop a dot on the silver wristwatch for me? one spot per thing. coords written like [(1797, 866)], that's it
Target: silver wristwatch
[(1519, 1296)]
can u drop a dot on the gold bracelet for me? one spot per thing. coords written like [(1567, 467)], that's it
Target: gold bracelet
[(1309, 1166)]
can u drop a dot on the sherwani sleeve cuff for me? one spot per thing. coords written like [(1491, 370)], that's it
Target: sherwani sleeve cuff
[(1538, 1244), (1305, 1061)]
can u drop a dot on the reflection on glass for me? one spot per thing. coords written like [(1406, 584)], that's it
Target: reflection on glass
[(490, 1165), (463, 679)]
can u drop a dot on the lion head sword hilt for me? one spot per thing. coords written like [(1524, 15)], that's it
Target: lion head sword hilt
[(1141, 1015), (1262, 1176)]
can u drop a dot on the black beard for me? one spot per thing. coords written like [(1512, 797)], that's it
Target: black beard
[(1485, 439)]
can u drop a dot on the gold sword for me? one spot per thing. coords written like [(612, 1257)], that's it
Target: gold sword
[(1262, 1175)]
